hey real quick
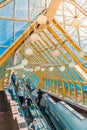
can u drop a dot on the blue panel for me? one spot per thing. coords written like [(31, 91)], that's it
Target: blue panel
[(52, 82), (2, 50), (70, 75), (71, 86), (77, 75), (59, 84), (2, 1), (78, 87), (65, 84), (85, 88), (6, 26)]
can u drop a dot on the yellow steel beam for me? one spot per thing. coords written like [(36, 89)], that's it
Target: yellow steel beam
[(82, 96), (16, 19), (61, 54), (75, 92), (45, 61), (41, 80), (15, 46), (55, 87), (49, 54), (58, 26), (35, 54), (53, 9), (63, 90), (67, 49), (39, 60), (1, 84), (69, 91), (4, 3)]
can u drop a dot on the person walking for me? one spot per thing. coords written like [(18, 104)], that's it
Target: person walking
[(13, 79), (39, 93), (20, 95), (34, 125), (42, 104), (25, 108)]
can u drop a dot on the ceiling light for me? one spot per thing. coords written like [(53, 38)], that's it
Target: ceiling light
[(23, 76), (24, 62), (34, 37), (42, 69), (51, 69), (81, 54), (20, 66), (31, 70), (37, 68), (71, 64), (42, 19), (55, 52), (62, 68), (76, 23), (6, 75), (5, 80), (28, 51)]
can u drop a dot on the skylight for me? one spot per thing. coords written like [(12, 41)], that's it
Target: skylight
[(81, 71)]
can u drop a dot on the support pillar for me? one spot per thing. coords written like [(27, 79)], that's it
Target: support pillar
[(49, 89), (63, 90), (55, 87), (69, 91), (58, 90), (75, 92), (82, 96)]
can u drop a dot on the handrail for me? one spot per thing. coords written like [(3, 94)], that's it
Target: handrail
[(19, 105)]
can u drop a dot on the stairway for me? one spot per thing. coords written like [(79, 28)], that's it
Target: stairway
[(6, 119)]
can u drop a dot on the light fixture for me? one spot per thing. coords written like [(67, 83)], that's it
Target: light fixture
[(55, 52), (20, 66), (42, 19), (42, 69), (23, 76), (81, 54), (6, 75), (71, 64), (76, 23), (51, 69), (24, 62), (37, 68), (31, 70), (62, 68), (25, 69), (10, 68), (34, 37), (5, 80), (28, 51)]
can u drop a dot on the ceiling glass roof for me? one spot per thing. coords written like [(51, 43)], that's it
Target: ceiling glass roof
[(2, 1), (10, 30), (66, 32)]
